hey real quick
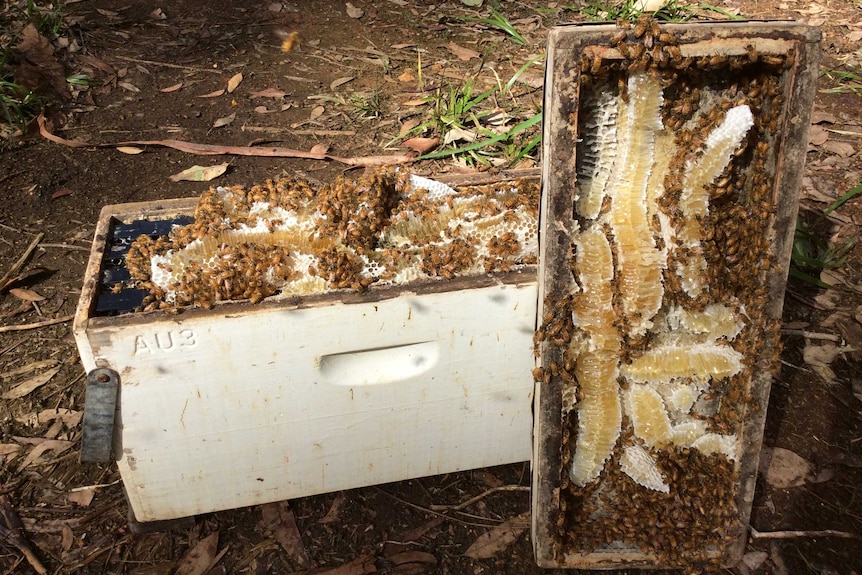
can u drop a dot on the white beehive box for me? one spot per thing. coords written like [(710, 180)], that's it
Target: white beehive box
[(246, 404)]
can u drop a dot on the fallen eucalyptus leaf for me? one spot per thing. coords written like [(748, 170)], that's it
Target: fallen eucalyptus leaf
[(499, 538), (268, 93), (353, 11), (316, 112), (200, 173), (131, 150), (26, 294), (234, 82), (340, 81), (461, 52), (27, 386), (421, 145), (213, 94), (221, 122), (173, 88)]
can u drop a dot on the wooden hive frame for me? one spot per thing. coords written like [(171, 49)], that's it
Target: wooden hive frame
[(625, 473)]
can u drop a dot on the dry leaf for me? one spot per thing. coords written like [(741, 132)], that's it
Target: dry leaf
[(82, 497), (62, 192), (157, 14), (353, 11), (421, 145), (409, 125), (55, 445), (173, 88), (818, 116), (842, 149), (32, 366), (129, 86), (131, 150), (316, 112), (28, 385), (275, 7), (69, 417), (340, 81), (319, 149), (407, 76), (234, 82), (221, 122), (213, 94), (402, 46), (68, 538), (278, 519), (200, 173), (418, 102), (269, 93), (499, 538), (9, 449), (817, 135), (26, 294), (198, 560), (782, 468), (461, 52), (41, 63), (334, 509), (457, 134), (263, 110)]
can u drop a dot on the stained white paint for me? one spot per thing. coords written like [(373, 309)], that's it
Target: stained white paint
[(272, 402)]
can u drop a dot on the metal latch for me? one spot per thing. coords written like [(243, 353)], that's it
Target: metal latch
[(100, 403)]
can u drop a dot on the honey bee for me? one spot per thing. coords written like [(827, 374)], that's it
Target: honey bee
[(641, 27), (618, 37)]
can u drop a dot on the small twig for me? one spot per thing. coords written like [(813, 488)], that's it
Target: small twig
[(431, 512), (96, 486), (167, 65), (65, 247), (811, 334), (37, 325), (755, 534), (10, 228), (13, 532), (472, 500), (18, 264)]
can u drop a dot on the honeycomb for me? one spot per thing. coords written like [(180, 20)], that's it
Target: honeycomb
[(287, 238), (667, 327)]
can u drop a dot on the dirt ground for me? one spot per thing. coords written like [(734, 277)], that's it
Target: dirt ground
[(350, 84)]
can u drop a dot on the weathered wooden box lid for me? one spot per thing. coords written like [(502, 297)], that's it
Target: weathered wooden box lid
[(672, 163)]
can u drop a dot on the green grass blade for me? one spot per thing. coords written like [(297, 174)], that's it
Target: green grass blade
[(481, 144), (800, 275)]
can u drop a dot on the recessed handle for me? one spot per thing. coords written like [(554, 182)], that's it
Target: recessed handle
[(381, 365)]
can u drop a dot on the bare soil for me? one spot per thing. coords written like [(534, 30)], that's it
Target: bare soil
[(134, 56)]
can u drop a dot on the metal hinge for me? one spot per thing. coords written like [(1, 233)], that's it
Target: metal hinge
[(99, 406)]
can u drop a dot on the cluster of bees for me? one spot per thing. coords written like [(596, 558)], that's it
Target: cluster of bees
[(287, 237), (698, 518)]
